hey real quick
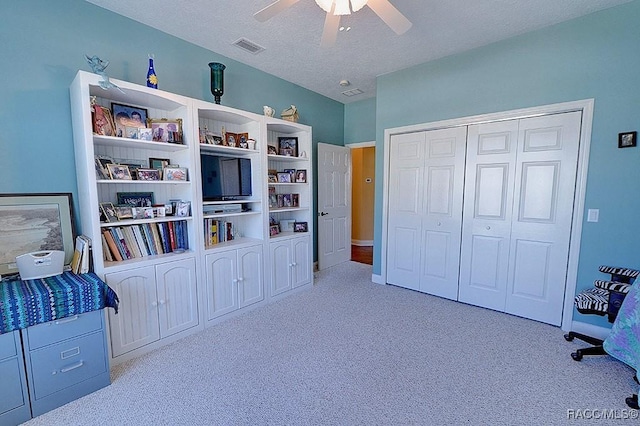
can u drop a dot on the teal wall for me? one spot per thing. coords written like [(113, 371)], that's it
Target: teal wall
[(360, 121), (595, 56), (42, 44)]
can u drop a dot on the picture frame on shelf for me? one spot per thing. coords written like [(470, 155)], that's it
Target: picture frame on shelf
[(291, 172), (286, 200), (108, 212), (101, 172), (273, 201), (158, 163), (145, 134), (300, 227), (103, 123), (174, 173), (132, 132), (119, 171), (166, 129), (301, 176), (128, 116), (272, 150), (183, 208), (149, 174), (124, 211), (231, 139), (284, 177), (135, 199), (274, 230), (295, 200), (627, 139), (242, 139), (273, 178), (288, 146)]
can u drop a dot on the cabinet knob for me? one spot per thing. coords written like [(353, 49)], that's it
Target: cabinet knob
[(488, 227), (240, 279), (439, 223)]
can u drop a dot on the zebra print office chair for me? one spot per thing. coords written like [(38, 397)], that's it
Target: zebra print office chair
[(604, 299)]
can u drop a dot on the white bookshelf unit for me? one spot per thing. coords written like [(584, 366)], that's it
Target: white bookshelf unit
[(225, 257)]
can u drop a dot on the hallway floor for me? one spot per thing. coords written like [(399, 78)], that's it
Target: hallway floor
[(362, 254)]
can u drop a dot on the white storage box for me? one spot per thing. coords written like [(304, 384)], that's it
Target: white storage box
[(40, 264)]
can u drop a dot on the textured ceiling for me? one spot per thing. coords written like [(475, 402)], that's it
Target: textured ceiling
[(292, 38)]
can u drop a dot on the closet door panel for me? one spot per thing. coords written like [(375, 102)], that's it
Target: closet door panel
[(405, 209), (442, 214), (486, 229), (545, 185)]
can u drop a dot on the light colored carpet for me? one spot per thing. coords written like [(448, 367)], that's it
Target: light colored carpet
[(350, 352)]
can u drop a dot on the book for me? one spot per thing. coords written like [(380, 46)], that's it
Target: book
[(113, 247), (106, 251), (85, 256), (77, 254), (142, 245)]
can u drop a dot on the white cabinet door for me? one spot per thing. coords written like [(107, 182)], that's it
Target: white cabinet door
[(136, 323), (177, 296), (301, 265), (222, 283), (280, 260), (250, 284)]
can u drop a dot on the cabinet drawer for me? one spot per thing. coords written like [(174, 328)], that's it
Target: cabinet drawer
[(67, 363), (65, 328), (7, 345)]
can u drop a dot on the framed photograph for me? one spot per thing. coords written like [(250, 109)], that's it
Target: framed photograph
[(174, 173), (158, 163), (124, 211), (103, 121), (166, 129), (183, 208), (135, 199), (131, 132), (301, 176), (109, 212), (145, 134), (284, 177), (300, 227), (241, 139), (295, 200), (128, 116), (231, 139), (273, 179), (288, 146), (292, 172), (286, 200), (272, 150), (627, 140), (119, 171), (49, 219), (273, 201), (274, 230), (148, 174)]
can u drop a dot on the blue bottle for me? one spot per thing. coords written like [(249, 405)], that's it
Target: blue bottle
[(152, 79)]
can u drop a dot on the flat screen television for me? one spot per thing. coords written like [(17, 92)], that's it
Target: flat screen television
[(225, 178)]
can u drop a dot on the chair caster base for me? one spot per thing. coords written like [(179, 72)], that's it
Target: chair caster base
[(568, 337), (632, 401), (577, 356)]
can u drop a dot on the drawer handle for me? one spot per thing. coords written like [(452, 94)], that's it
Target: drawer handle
[(66, 320), (69, 368)]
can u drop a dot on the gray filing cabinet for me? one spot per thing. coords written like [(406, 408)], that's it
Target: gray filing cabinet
[(65, 359), (14, 396)]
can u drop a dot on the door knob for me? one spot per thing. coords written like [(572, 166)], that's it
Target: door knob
[(322, 214)]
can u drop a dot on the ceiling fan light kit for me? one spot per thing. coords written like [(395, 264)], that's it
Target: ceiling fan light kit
[(342, 6)]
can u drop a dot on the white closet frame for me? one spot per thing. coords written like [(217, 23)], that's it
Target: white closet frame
[(585, 106)]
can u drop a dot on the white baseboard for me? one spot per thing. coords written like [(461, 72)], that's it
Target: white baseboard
[(377, 279), (590, 329), (362, 243)]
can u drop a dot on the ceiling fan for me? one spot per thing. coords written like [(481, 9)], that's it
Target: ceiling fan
[(336, 8)]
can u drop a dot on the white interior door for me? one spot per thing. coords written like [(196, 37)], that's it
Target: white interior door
[(443, 184), (486, 229), (542, 215), (404, 228), (334, 205)]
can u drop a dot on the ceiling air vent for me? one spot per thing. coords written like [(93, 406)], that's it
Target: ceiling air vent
[(248, 46), (352, 92)]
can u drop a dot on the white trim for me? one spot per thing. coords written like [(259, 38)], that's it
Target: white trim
[(360, 145), (586, 107), (377, 279), (362, 243), (590, 329)]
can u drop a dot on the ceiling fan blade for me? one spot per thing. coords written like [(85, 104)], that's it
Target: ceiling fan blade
[(390, 15), (273, 9), (330, 31)]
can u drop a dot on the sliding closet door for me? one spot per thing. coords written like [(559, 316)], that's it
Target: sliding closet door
[(542, 215), (488, 198), (442, 213), (405, 209)]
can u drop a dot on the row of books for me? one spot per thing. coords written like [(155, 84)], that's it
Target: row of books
[(81, 258), (217, 231), (145, 239)]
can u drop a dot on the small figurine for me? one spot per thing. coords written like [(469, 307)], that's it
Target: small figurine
[(98, 66)]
